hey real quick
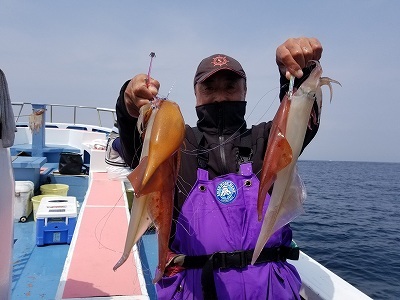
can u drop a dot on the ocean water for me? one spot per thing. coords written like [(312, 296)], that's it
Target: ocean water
[(352, 222)]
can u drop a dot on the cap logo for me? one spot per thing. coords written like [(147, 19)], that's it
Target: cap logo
[(219, 61)]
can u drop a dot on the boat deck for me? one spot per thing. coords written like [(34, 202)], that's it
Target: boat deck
[(40, 272), (97, 247)]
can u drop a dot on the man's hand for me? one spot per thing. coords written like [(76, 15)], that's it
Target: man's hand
[(139, 92), (294, 54)]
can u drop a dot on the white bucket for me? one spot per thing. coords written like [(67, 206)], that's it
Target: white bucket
[(22, 201)]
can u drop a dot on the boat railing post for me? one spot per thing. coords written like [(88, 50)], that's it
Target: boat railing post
[(51, 114), (98, 114), (74, 115)]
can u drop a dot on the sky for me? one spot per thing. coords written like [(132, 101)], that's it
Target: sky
[(81, 52)]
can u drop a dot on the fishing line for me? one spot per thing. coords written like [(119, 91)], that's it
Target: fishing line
[(229, 139), (191, 152), (99, 232), (107, 217), (169, 92), (234, 135), (181, 188)]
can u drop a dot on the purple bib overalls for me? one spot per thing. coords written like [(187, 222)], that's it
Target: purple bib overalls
[(221, 215)]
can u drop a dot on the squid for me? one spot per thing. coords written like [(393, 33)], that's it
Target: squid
[(284, 146), (154, 179)]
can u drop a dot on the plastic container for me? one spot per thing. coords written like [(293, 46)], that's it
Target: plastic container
[(36, 202), (56, 220), (54, 189), (22, 201)]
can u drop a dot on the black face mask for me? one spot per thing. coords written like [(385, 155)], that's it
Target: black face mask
[(221, 117)]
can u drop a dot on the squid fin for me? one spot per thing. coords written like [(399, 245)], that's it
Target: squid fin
[(138, 224), (288, 209), (136, 176), (292, 204)]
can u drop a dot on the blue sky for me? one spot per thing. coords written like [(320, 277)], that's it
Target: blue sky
[(81, 52)]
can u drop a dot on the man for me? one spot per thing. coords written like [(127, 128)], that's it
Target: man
[(216, 226)]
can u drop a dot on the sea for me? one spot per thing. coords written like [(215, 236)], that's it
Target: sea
[(351, 223)]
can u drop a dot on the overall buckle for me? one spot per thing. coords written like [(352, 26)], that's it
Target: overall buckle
[(235, 259)]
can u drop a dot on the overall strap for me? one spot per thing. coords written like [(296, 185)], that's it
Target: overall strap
[(245, 149), (202, 153)]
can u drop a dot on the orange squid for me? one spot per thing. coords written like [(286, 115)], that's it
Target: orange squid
[(279, 169), (153, 180)]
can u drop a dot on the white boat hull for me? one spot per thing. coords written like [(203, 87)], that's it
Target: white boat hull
[(6, 221), (319, 283)]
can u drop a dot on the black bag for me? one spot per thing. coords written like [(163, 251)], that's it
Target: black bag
[(70, 163)]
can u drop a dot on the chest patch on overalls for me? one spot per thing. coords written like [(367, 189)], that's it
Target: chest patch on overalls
[(226, 191)]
